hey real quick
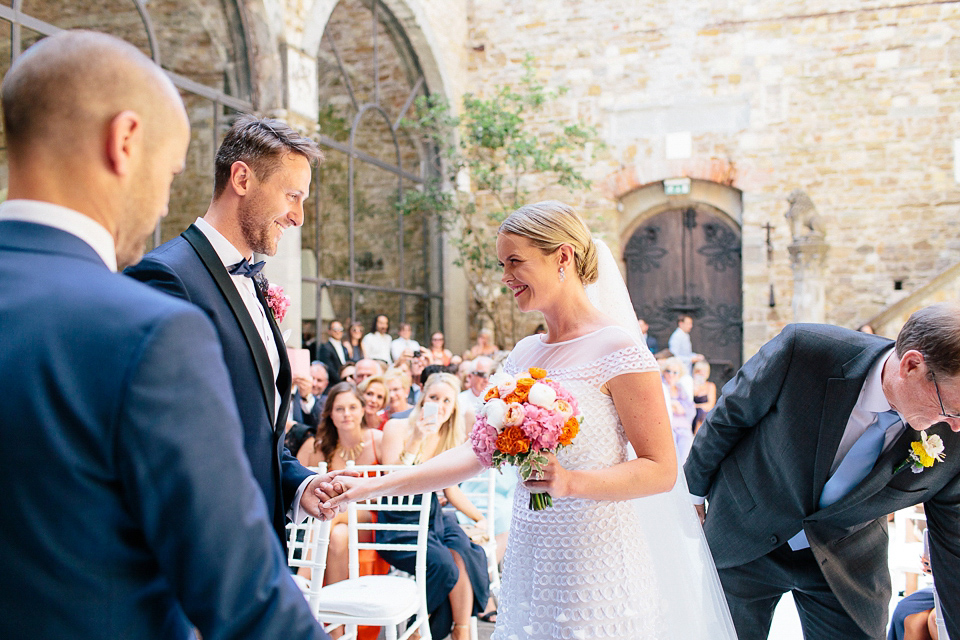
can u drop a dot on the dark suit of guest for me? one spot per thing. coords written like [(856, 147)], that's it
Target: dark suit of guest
[(127, 500), (328, 355), (189, 268), (310, 418), (764, 455)]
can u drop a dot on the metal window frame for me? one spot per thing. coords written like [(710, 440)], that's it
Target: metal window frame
[(426, 293)]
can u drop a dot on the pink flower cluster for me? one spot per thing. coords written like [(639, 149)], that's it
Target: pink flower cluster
[(484, 441), (278, 302)]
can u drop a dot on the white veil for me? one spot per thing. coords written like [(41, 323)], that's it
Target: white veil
[(692, 599)]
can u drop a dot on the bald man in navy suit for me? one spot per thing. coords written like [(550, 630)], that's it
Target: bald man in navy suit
[(129, 506)]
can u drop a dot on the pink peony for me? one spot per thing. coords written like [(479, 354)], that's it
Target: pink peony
[(515, 415), (484, 441)]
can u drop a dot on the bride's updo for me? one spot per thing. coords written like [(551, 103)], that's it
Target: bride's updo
[(551, 223)]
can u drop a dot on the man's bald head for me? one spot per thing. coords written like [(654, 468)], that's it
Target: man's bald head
[(62, 92), (94, 125)]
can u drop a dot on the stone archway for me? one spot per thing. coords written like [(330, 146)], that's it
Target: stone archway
[(683, 256)]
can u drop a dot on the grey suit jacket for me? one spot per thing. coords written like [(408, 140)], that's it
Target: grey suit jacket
[(764, 454)]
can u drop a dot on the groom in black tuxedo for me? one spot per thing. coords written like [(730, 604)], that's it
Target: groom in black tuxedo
[(262, 178), (802, 460)]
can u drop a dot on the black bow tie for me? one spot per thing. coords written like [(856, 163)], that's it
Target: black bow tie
[(244, 268)]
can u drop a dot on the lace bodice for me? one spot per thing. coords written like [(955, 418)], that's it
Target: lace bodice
[(583, 366), (579, 569)]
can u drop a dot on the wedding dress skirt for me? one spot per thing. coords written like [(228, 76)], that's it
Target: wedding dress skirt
[(583, 569)]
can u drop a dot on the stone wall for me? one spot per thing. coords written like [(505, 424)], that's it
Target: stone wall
[(854, 102)]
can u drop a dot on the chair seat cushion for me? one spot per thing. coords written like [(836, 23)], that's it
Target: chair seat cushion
[(369, 597)]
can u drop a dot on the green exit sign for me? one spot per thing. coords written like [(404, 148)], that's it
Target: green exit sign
[(676, 186)]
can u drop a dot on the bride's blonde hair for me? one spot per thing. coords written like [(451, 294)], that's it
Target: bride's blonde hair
[(550, 224)]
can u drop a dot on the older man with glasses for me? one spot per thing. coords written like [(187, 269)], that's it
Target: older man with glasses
[(818, 437), (472, 397)]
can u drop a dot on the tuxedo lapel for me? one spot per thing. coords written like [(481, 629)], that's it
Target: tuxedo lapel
[(284, 376), (210, 259)]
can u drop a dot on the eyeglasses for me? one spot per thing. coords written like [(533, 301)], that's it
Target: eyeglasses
[(336, 329), (943, 412), (480, 374), (674, 372)]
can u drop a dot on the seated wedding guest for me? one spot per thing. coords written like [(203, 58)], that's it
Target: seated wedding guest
[(333, 352), (914, 617), (484, 345), (376, 344), (348, 372), (308, 395), (679, 405), (397, 382), (403, 342), (472, 397), (704, 392), (421, 360), (130, 509), (366, 368), (463, 372), (339, 439), (374, 392), (352, 341), (457, 579), (439, 354)]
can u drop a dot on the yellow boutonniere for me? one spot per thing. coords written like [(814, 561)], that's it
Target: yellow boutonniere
[(924, 453)]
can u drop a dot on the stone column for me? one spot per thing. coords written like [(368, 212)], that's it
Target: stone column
[(807, 259)]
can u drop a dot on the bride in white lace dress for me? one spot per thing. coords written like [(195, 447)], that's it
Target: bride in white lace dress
[(620, 554)]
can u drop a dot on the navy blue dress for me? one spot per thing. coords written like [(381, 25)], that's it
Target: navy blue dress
[(445, 535)]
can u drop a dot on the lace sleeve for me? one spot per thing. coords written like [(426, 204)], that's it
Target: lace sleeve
[(632, 359)]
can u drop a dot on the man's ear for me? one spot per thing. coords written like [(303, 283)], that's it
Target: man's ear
[(124, 142), (912, 362), (241, 177)]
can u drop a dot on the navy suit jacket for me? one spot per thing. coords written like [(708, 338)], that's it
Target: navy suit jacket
[(764, 454), (327, 354), (189, 268), (127, 500)]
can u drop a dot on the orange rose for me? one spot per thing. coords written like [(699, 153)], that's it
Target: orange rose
[(491, 393), (537, 373), (512, 441), (570, 430), (522, 391)]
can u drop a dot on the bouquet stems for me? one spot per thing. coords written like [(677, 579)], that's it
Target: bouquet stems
[(540, 501)]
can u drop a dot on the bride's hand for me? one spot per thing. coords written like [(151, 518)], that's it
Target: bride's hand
[(343, 489), (553, 479)]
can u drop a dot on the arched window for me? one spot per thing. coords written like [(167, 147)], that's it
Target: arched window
[(202, 46), (368, 256)]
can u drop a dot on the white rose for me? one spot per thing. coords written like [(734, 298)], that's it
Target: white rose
[(542, 395), (500, 378), (494, 411), (933, 445)]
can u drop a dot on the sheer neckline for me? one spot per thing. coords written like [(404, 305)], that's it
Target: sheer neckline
[(586, 335)]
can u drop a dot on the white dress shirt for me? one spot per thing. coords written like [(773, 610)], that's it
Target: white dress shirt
[(338, 349), (398, 346), (68, 220), (376, 346)]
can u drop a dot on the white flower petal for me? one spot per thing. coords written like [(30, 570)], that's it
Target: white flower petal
[(494, 411), (542, 395)]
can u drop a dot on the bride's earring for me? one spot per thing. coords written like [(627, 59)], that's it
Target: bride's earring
[(562, 274)]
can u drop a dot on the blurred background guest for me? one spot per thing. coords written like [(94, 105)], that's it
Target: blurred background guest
[(376, 344), (333, 352), (439, 354), (403, 342), (374, 392), (483, 347), (679, 405), (704, 392), (365, 368), (352, 342)]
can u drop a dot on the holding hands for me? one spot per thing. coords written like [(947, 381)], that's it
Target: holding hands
[(323, 487)]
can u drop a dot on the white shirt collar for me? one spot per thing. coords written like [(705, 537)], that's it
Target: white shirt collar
[(73, 222), (871, 397), (228, 254)]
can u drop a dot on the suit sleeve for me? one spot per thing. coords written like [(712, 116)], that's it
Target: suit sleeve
[(943, 520), (187, 481), (744, 402), (159, 276)]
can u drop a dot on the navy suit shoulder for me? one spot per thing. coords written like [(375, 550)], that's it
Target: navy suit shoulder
[(116, 397)]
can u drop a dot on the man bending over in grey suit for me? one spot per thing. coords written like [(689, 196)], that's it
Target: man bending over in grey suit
[(808, 450)]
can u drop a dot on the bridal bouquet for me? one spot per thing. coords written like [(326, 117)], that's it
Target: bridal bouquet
[(523, 418)]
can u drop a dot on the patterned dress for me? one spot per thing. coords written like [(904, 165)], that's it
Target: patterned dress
[(580, 569)]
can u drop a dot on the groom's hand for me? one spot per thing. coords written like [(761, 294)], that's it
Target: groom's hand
[(319, 490), (701, 512)]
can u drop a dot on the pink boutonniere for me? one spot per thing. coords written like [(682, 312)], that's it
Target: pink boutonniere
[(278, 301)]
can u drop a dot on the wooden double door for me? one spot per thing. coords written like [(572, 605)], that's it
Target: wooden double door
[(688, 261)]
